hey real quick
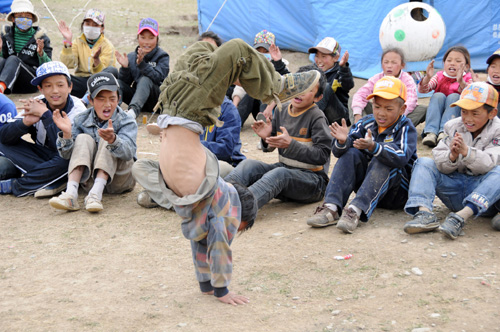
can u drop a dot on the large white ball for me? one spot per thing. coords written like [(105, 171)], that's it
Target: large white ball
[(419, 40)]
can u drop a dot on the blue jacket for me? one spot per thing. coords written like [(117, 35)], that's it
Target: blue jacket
[(225, 141), (155, 65), (7, 109), (395, 147), (12, 132), (124, 147)]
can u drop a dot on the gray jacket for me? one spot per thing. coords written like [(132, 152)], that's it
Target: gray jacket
[(87, 122), (484, 150)]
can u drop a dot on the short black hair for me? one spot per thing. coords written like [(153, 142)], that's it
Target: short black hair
[(248, 204), (322, 78), (488, 108), (211, 35)]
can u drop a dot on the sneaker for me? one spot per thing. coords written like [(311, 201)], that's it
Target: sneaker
[(441, 136), (323, 217), (49, 191), (452, 226), (144, 200), (6, 187), (298, 84), (65, 202), (153, 129), (349, 221), (430, 140), (495, 222), (93, 203), (422, 221)]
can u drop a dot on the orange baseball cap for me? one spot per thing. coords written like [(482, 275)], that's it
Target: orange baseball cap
[(476, 95), (389, 87)]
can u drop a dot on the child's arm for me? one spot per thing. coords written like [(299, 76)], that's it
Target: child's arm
[(158, 73), (411, 92), (343, 138), (65, 139), (397, 153), (429, 82), (345, 76), (265, 130), (103, 57), (124, 146), (124, 73), (359, 100)]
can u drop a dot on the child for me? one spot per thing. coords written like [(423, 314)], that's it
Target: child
[(37, 168), (339, 79), (393, 63), (24, 48), (464, 173), (100, 147), (90, 53), (493, 71), (143, 70), (300, 132), (212, 209), (447, 85), (375, 160)]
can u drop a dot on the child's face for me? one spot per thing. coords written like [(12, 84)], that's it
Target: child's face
[(387, 111), (303, 102), (475, 120), (210, 40), (56, 90), (391, 64), (325, 61), (105, 104), (494, 71), (453, 62), (147, 41), (262, 50)]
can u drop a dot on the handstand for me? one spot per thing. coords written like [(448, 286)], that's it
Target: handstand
[(212, 210)]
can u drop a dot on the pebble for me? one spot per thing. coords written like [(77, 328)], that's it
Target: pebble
[(421, 329), (404, 241), (339, 250), (407, 273), (329, 327), (453, 254), (244, 150), (444, 255), (181, 324), (277, 234), (435, 315), (431, 243), (400, 294), (245, 144), (295, 298), (454, 276), (294, 307), (339, 299), (416, 271), (336, 312), (295, 212)]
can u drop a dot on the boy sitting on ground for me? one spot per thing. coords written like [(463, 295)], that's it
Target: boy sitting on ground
[(211, 209), (375, 160), (101, 147), (36, 168), (300, 132), (464, 173)]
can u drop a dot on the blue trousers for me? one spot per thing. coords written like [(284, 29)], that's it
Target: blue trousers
[(375, 184), (41, 167), (455, 190), (439, 112), (268, 181)]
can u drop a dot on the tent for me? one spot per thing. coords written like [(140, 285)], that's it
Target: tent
[(300, 24), (5, 6)]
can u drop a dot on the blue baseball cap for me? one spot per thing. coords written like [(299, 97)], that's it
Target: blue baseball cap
[(149, 24), (49, 69)]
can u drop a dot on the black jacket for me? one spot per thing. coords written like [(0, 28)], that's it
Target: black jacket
[(28, 54), (155, 65)]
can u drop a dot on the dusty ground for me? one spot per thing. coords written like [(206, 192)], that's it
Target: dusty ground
[(129, 268)]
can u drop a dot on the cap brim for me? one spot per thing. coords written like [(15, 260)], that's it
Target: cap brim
[(266, 46), (104, 87), (38, 80), (467, 104), (385, 95), (491, 58), (319, 49), (153, 31), (10, 16)]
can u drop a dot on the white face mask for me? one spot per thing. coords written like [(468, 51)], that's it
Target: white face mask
[(91, 33)]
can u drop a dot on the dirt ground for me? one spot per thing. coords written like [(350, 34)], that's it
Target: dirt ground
[(130, 269)]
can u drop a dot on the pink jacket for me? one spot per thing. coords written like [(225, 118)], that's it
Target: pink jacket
[(446, 85), (359, 99)]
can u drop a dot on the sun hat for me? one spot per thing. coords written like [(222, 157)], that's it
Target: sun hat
[(21, 6)]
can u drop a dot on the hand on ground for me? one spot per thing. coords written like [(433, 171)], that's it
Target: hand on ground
[(234, 299)]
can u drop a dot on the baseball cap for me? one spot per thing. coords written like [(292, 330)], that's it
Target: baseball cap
[(95, 15), (101, 81), (476, 95), (49, 69), (492, 57), (148, 24), (389, 87), (264, 39), (328, 46)]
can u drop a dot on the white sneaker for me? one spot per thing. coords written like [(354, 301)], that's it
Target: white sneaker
[(49, 191), (65, 202), (93, 203)]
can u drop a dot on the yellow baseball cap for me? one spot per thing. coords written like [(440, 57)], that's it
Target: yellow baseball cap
[(476, 95), (389, 87)]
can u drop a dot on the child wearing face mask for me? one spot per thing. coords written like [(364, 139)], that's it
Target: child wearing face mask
[(24, 48), (90, 53), (143, 70)]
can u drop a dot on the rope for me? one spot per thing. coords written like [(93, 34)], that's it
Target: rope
[(214, 16), (50, 12), (79, 13)]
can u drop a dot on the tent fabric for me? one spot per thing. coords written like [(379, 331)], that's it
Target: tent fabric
[(5, 6), (355, 24)]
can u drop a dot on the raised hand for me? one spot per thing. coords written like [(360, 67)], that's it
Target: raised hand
[(344, 59), (122, 59), (39, 46), (65, 31), (430, 69), (140, 55), (366, 143), (62, 122), (275, 52), (33, 110), (340, 132), (262, 129), (108, 134), (97, 60), (281, 141)]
